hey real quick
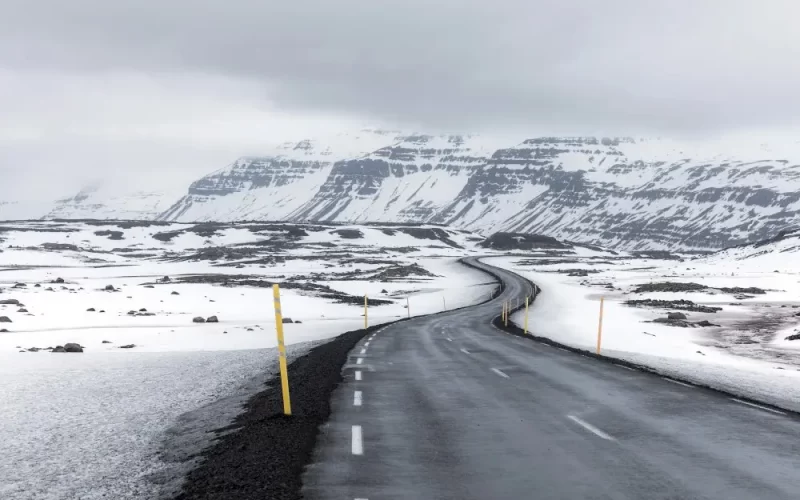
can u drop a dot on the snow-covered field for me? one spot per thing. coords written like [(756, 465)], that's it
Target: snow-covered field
[(92, 424), (103, 423), (744, 350)]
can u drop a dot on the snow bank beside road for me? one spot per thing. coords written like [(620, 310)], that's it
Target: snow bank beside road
[(568, 313)]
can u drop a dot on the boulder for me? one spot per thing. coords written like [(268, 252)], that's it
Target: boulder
[(175, 293), (676, 315), (59, 348), (3, 330), (20, 285), (110, 288), (73, 347), (199, 319), (128, 346), (165, 279), (37, 285), (91, 309), (5, 319), (102, 310), (705, 323), (23, 310), (795, 336), (212, 319), (131, 313), (149, 286), (58, 280), (11, 302), (297, 322), (106, 342), (287, 320), (143, 310)]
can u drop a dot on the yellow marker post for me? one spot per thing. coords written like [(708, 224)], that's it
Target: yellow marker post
[(600, 326), (508, 307), (526, 315), (287, 404), (366, 317)]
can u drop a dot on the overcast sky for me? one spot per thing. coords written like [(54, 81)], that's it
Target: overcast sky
[(181, 87)]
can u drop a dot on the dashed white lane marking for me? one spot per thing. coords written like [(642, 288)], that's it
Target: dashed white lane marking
[(500, 372), (359, 361), (623, 366), (758, 406), (690, 386), (358, 374), (357, 398), (589, 427), (449, 339), (464, 351), (366, 344), (358, 443), (562, 349), (364, 351)]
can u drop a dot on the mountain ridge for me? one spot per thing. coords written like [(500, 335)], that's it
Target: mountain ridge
[(618, 192)]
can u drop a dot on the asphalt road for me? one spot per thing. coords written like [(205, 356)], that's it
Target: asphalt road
[(449, 407)]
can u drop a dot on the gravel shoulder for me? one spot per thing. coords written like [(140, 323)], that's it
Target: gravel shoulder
[(263, 453)]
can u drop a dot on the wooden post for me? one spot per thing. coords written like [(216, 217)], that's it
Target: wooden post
[(366, 314), (600, 326), (287, 405)]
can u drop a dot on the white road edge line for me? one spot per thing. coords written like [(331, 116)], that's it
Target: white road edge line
[(562, 349), (464, 351), (358, 442), (623, 366), (758, 406), (589, 427), (357, 398), (364, 351), (678, 382), (359, 361), (358, 374), (449, 339), (500, 372)]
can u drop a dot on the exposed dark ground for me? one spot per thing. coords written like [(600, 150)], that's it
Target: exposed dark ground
[(265, 454)]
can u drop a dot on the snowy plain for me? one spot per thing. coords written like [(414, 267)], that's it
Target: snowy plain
[(99, 424), (745, 353), (93, 424)]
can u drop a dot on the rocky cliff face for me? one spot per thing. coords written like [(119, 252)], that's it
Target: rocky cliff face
[(616, 192), (272, 187)]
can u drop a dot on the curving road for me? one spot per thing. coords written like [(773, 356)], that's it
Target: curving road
[(449, 407)]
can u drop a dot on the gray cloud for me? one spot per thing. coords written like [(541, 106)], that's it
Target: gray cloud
[(626, 64), (234, 73)]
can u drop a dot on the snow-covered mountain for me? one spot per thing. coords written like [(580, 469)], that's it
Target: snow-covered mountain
[(275, 186), (624, 193), (620, 192), (109, 201)]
